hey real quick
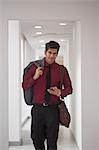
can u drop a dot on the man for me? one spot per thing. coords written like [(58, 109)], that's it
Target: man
[(45, 113)]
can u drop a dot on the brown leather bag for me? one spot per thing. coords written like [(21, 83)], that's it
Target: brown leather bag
[(65, 117)]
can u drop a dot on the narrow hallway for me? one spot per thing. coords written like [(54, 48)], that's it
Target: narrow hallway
[(65, 141)]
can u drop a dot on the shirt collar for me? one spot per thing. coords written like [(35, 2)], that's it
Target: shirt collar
[(46, 64)]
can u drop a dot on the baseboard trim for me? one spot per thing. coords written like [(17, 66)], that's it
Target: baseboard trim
[(14, 143)]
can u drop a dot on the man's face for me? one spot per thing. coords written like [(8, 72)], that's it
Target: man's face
[(51, 55)]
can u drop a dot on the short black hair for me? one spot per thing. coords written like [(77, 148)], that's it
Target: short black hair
[(52, 44)]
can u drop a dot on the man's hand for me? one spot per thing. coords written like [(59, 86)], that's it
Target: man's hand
[(54, 91), (38, 73)]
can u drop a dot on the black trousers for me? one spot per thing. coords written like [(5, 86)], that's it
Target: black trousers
[(45, 125)]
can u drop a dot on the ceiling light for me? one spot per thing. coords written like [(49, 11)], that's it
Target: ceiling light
[(41, 41), (62, 24), (37, 27), (38, 33), (62, 40)]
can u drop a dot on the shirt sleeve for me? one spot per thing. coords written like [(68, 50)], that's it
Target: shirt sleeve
[(28, 80), (66, 84)]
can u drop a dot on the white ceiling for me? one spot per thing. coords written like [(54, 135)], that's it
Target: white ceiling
[(48, 0), (51, 30)]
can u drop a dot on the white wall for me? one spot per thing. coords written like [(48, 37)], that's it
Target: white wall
[(28, 56), (75, 68), (3, 89), (14, 80), (98, 59), (90, 82), (29, 53), (86, 14)]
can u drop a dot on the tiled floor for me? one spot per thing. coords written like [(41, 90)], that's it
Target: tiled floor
[(65, 141)]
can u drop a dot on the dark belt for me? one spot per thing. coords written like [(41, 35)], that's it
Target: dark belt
[(44, 105)]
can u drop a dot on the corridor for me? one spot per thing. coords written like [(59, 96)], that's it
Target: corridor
[(65, 141)]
